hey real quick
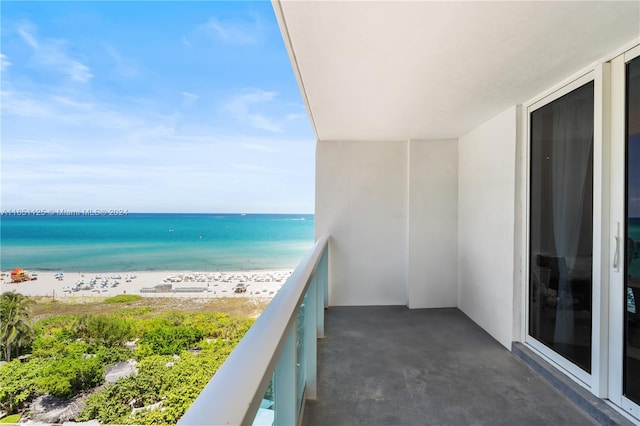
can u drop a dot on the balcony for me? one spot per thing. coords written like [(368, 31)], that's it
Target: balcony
[(377, 365), (389, 365)]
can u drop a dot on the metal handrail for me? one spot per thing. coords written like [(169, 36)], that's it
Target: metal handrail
[(233, 395)]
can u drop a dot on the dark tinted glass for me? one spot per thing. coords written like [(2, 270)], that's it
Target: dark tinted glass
[(561, 225), (632, 228)]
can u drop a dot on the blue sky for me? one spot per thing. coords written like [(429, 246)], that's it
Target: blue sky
[(151, 107)]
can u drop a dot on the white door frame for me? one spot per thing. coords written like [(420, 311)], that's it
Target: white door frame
[(608, 299), (583, 377)]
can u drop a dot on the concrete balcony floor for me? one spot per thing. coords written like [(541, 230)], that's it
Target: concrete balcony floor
[(390, 365)]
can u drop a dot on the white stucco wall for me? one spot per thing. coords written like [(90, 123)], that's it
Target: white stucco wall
[(361, 202), (391, 211), (486, 199), (433, 224)]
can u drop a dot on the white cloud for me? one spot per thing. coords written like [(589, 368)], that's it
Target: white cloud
[(245, 107), (51, 54), (256, 168), (261, 122), (74, 164), (248, 31), (103, 148), (27, 37), (189, 98), (73, 103), (258, 147), (65, 110), (79, 72), (296, 116), (4, 62), (23, 105), (232, 32), (240, 106)]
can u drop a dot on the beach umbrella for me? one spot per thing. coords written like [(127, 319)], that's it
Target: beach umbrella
[(17, 274)]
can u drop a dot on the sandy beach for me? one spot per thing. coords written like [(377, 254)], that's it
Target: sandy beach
[(262, 283)]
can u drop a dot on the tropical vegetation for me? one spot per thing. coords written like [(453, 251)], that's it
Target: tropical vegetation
[(174, 353), (16, 330)]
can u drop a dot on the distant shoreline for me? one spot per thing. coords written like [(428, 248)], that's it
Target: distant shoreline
[(70, 272), (258, 283)]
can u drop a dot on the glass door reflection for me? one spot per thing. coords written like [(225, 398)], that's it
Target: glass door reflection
[(561, 225), (632, 235)]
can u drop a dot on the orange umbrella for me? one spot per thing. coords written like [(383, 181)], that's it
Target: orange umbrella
[(17, 271)]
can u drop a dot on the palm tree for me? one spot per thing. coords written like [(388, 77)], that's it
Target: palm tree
[(16, 330)]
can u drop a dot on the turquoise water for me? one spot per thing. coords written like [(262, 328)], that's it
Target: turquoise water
[(142, 242)]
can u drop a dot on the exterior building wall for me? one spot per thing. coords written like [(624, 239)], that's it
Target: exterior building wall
[(361, 202), (486, 200), (423, 223), (391, 211), (433, 224)]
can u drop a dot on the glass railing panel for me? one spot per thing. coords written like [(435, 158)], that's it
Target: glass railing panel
[(301, 368), (265, 379), (266, 413)]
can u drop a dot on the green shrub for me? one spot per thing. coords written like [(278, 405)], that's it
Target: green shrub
[(173, 318), (67, 376), (51, 324), (133, 313), (44, 346), (181, 384), (14, 418), (71, 352), (74, 368), (113, 355), (108, 331), (219, 325), (123, 298), (169, 340), (18, 383), (111, 405), (108, 406)]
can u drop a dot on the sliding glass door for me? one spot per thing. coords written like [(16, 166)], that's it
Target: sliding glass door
[(631, 365), (583, 297), (561, 225)]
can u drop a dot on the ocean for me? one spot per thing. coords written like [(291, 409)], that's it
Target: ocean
[(147, 242)]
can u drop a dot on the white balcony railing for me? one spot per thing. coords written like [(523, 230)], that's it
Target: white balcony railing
[(267, 377)]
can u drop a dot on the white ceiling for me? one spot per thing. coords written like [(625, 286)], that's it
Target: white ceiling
[(397, 70)]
